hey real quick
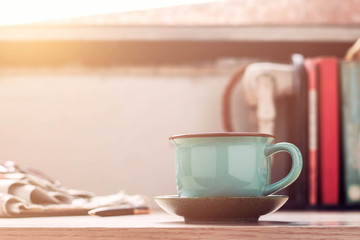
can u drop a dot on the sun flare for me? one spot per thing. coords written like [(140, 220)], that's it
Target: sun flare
[(17, 12)]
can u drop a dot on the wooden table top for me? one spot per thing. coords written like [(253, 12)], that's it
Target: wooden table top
[(160, 225)]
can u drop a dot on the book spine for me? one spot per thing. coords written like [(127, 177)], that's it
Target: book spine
[(301, 90), (312, 132), (350, 108), (329, 130)]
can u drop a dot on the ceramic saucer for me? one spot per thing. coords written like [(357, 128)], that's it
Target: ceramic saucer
[(221, 209)]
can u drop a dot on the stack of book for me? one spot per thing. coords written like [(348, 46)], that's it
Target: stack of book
[(324, 167), (322, 118), (332, 155)]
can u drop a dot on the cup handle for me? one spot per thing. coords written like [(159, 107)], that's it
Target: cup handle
[(296, 167)]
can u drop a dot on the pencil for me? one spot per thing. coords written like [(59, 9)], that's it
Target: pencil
[(118, 211)]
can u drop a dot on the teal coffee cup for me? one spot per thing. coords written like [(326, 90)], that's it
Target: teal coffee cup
[(230, 164)]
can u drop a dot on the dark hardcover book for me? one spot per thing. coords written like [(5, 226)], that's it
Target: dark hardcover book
[(350, 111), (291, 126)]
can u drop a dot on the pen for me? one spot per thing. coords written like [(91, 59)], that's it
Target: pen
[(118, 211)]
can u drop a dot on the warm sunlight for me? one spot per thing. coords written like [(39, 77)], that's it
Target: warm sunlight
[(31, 11)]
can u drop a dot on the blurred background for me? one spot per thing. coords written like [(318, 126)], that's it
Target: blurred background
[(90, 94)]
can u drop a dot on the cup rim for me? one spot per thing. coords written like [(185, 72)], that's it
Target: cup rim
[(221, 134)]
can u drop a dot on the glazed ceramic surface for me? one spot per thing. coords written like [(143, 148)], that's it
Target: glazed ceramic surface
[(229, 164), (221, 209)]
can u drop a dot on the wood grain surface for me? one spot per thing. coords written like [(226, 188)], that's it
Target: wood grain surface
[(159, 225)]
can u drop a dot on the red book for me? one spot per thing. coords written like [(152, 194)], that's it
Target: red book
[(328, 81), (312, 74)]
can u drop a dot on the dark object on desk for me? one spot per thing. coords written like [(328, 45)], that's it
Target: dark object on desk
[(291, 126), (300, 135), (118, 211)]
